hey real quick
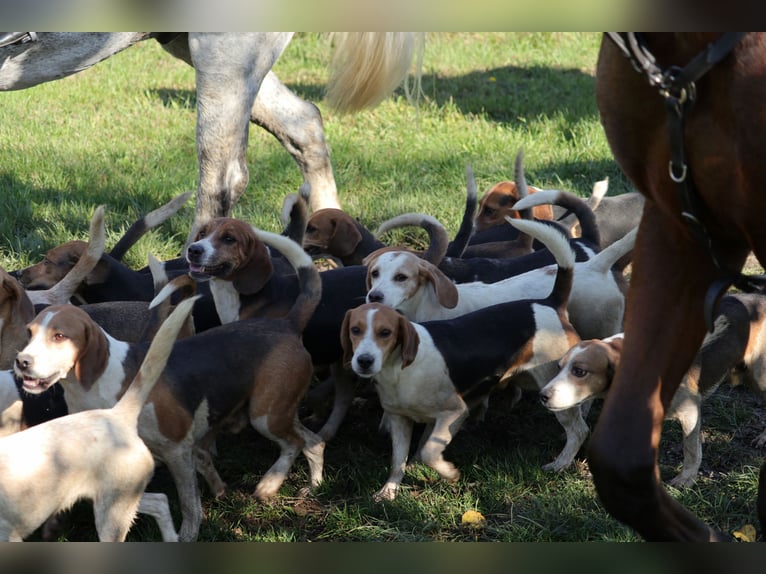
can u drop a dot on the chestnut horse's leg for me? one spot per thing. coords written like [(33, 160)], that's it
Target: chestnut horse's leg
[(664, 327)]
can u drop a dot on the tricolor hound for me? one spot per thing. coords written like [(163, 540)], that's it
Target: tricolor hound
[(435, 371), (94, 454), (256, 370)]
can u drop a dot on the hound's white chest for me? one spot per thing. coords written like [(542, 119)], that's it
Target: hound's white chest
[(226, 300), (420, 390)]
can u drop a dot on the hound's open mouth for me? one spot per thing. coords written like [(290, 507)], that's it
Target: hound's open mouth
[(203, 272), (35, 386)]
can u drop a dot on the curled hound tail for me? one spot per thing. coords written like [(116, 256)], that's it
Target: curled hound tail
[(558, 244), (569, 201), (155, 360), (368, 66), (308, 277), (438, 240)]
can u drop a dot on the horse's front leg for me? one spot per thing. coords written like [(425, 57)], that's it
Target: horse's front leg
[(297, 124), (664, 328), (229, 70)]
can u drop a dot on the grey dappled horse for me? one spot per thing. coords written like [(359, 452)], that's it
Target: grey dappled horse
[(235, 86)]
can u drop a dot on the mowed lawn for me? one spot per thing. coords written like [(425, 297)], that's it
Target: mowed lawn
[(122, 134)]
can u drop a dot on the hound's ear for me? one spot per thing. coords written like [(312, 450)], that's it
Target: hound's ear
[(613, 354), (345, 340), (369, 261), (93, 358), (345, 237), (409, 340), (445, 289), (252, 276), (22, 306)]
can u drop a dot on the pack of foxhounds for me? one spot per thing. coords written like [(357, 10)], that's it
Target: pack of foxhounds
[(108, 370)]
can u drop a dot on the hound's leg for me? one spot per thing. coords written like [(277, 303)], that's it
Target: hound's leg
[(401, 434), (182, 468), (345, 381), (663, 331), (444, 430), (297, 124), (688, 415), (155, 504), (576, 430)]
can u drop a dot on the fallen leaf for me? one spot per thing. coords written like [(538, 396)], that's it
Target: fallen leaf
[(473, 518), (745, 534)]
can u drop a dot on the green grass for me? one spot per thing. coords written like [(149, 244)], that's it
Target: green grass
[(122, 134)]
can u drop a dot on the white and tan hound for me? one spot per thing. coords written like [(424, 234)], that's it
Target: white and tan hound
[(735, 349), (422, 292)]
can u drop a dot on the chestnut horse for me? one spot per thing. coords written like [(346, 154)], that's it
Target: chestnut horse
[(235, 86), (709, 119)]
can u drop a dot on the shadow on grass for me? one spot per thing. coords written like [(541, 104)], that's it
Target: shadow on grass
[(505, 95)]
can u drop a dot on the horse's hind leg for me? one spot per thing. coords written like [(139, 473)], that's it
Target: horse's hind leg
[(297, 124)]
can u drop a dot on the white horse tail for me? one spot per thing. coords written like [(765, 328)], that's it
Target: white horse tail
[(367, 66)]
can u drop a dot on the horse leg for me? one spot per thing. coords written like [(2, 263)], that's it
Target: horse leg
[(297, 124), (229, 71), (663, 330)]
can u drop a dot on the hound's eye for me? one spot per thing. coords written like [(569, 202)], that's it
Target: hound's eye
[(58, 337), (400, 277), (578, 372), (200, 234), (229, 239), (374, 273), (355, 331), (489, 211), (384, 333), (310, 229)]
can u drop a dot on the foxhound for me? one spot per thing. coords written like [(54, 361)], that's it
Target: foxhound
[(256, 370), (95, 454)]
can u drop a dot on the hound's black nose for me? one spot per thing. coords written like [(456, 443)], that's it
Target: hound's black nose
[(194, 252), (374, 297), (365, 361), (23, 362)]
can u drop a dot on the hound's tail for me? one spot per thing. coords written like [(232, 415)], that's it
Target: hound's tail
[(558, 244), (464, 233), (161, 306), (63, 291), (437, 235), (295, 214), (308, 277), (155, 360), (605, 259), (147, 223), (368, 66), (569, 201)]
